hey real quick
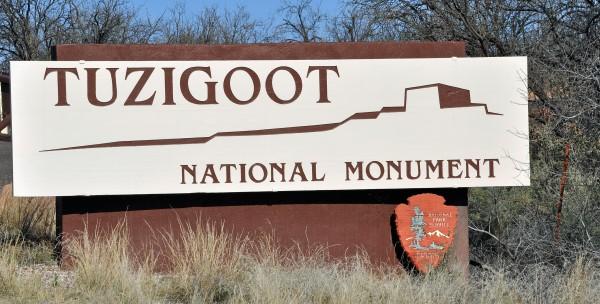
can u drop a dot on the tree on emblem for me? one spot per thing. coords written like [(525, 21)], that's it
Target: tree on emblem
[(417, 226)]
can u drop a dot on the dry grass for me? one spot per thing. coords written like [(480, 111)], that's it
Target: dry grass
[(104, 269), (209, 265), (29, 219)]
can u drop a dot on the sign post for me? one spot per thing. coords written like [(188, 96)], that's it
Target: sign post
[(328, 144)]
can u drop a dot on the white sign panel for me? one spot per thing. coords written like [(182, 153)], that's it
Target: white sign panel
[(92, 128)]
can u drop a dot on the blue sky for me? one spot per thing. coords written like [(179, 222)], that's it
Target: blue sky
[(259, 9)]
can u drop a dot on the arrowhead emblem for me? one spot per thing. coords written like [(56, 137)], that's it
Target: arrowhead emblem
[(426, 227)]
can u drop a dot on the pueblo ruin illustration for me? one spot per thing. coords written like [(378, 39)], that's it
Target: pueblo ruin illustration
[(449, 97)]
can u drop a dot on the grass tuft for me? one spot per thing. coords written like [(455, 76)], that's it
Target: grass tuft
[(25, 218), (209, 263), (106, 270)]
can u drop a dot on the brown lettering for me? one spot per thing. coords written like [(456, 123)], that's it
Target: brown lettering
[(168, 73), (280, 168), (137, 89), (229, 92), (351, 169), (242, 173), (430, 167), (409, 169), (491, 165), (61, 81), (297, 85), (184, 84), (472, 164), (228, 172), (209, 171), (264, 173), (380, 168), (92, 95), (189, 170), (313, 166), (298, 170), (323, 92), (453, 164), (397, 166)]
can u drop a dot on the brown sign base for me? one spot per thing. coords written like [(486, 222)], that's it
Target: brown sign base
[(343, 221)]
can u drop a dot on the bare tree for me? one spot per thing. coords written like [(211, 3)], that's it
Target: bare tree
[(238, 27), (180, 27), (210, 26), (352, 24), (110, 21), (488, 27), (29, 27), (302, 21)]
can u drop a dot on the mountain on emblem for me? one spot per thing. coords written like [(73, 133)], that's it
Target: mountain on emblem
[(426, 227), (437, 233)]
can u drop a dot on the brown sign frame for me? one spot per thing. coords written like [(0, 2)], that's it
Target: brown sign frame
[(344, 221)]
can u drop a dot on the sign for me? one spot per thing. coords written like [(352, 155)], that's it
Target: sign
[(426, 229), (133, 127)]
